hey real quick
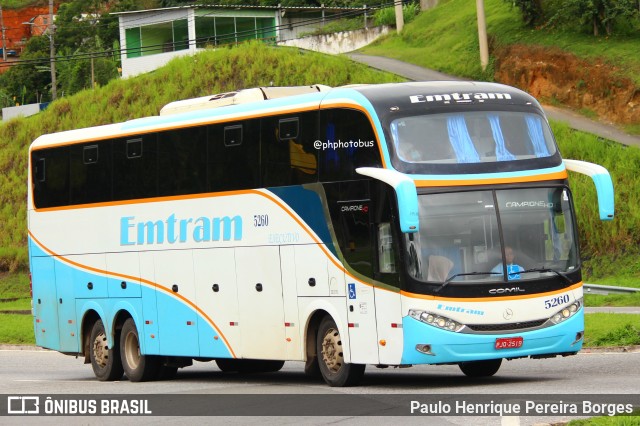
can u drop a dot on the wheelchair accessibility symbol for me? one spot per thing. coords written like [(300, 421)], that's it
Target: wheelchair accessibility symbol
[(352, 290)]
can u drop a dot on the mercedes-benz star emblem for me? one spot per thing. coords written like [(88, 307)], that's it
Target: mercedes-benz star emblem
[(507, 314)]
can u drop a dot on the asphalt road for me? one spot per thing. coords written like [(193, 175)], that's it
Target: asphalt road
[(575, 121), (584, 376)]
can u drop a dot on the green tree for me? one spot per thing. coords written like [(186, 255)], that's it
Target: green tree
[(597, 15), (30, 82), (76, 74), (531, 10), (84, 28)]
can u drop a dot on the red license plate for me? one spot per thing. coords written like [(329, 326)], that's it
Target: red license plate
[(509, 343)]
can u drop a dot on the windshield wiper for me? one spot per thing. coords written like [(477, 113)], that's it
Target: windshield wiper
[(461, 274), (565, 278)]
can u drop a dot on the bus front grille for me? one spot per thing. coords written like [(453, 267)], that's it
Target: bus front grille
[(492, 328)]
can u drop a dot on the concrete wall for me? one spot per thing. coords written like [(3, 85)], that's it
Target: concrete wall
[(428, 4), (22, 110), (336, 43), (143, 64)]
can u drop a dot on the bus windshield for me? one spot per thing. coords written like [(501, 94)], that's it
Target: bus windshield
[(471, 137), (501, 235)]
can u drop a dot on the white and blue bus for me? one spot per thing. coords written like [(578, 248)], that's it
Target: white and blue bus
[(390, 225)]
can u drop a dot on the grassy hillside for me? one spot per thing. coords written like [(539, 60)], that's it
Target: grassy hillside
[(607, 244), (207, 73), (446, 39)]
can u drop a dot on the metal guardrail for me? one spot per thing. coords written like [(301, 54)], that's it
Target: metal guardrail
[(608, 289)]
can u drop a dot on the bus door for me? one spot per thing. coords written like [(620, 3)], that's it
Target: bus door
[(386, 275), (357, 249), (261, 305)]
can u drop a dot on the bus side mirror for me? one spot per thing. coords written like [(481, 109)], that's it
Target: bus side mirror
[(602, 180), (406, 195)]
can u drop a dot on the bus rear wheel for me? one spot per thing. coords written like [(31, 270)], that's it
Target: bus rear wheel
[(334, 370), (105, 361), (480, 368), (137, 367)]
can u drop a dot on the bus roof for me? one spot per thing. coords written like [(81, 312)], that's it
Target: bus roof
[(429, 96), (238, 97)]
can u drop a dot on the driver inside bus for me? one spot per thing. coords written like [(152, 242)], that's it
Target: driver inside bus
[(513, 269)]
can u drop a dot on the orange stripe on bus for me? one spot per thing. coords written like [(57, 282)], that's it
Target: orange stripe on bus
[(141, 280), (489, 181)]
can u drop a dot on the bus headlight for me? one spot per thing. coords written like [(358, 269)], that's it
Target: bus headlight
[(566, 312), (435, 320)]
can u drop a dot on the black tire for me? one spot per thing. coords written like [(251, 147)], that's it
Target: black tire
[(262, 366), (105, 361), (480, 368), (248, 366), (311, 368), (137, 367), (333, 369), (227, 365), (166, 372)]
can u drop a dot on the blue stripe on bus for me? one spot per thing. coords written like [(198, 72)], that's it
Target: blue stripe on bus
[(308, 206), (166, 337), (450, 347)]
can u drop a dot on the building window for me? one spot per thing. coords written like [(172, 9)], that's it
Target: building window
[(158, 38)]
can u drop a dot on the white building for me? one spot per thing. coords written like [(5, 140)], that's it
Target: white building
[(151, 38)]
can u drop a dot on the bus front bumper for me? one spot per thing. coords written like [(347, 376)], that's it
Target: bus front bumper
[(426, 344)]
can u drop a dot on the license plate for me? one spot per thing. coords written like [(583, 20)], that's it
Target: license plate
[(509, 343)]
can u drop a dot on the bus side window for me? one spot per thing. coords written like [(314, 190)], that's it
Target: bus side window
[(347, 142), (388, 258), (289, 154), (182, 161), (51, 177), (90, 173), (135, 162), (233, 156), (351, 214)]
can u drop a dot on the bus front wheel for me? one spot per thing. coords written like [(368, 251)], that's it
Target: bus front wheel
[(137, 367), (334, 370), (480, 368), (105, 361)]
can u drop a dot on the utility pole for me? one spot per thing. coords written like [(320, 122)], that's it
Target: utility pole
[(52, 46), (399, 16), (4, 40), (482, 35)]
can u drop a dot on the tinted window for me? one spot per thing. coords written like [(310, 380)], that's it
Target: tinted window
[(353, 230), (348, 142), (182, 167), (50, 177), (289, 156), (234, 156), (90, 173), (135, 163)]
